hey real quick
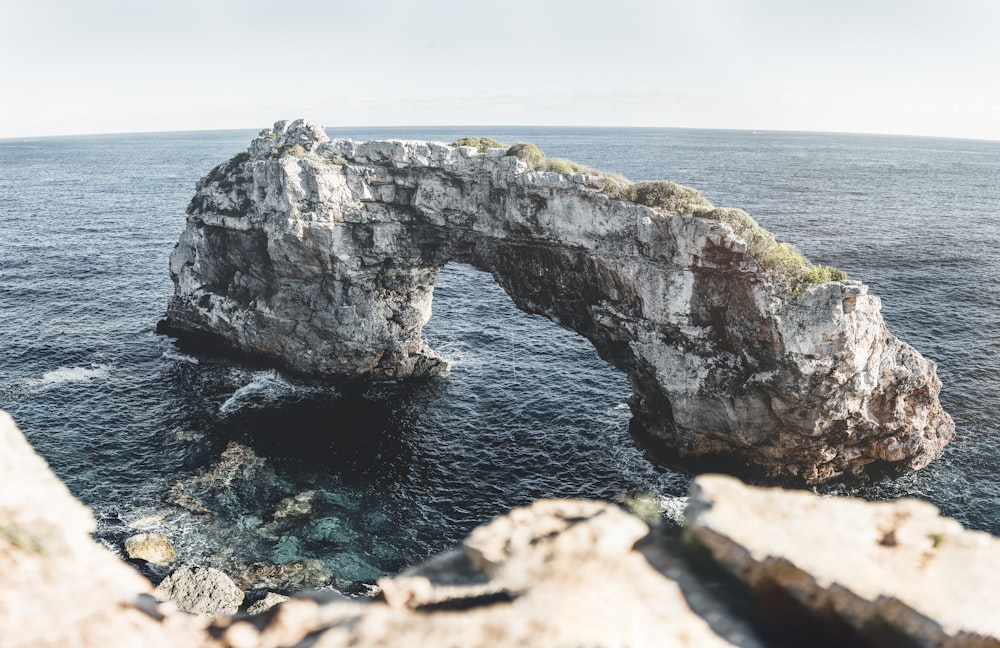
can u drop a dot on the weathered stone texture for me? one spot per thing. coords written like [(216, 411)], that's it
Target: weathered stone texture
[(154, 548), (896, 572), (320, 256), (57, 586), (200, 590)]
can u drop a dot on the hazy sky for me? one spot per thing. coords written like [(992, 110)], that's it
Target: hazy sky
[(890, 66)]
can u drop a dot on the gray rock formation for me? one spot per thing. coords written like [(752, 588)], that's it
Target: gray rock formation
[(152, 547), (201, 590), (898, 573), (320, 256)]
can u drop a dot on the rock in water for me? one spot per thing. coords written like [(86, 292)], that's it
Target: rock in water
[(151, 547), (320, 257), (269, 601), (898, 573), (202, 590)]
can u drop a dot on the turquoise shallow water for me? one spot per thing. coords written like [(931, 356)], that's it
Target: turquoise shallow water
[(389, 474)]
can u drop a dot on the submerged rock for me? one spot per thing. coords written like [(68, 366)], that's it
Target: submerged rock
[(320, 257), (152, 547), (238, 474), (201, 590), (295, 506), (288, 577)]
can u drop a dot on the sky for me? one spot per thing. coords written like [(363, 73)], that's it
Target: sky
[(916, 67)]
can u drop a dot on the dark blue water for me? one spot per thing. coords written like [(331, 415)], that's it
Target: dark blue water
[(389, 474)]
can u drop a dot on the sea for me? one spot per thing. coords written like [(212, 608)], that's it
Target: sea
[(364, 480)]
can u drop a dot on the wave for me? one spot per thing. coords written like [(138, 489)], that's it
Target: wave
[(264, 389), (67, 375), (177, 356)]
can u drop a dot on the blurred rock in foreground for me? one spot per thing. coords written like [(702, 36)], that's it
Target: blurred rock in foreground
[(755, 567)]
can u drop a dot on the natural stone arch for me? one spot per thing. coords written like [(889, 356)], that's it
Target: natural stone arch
[(320, 256)]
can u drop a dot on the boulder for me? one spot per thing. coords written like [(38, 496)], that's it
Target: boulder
[(201, 590), (152, 547)]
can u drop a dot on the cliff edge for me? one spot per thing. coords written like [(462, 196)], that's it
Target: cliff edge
[(320, 257)]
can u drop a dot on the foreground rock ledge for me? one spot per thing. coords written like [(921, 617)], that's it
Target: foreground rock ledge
[(320, 257), (898, 573), (556, 573)]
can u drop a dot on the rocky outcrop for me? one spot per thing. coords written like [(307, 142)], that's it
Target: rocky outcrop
[(895, 573), (818, 572), (57, 586), (320, 256), (556, 573)]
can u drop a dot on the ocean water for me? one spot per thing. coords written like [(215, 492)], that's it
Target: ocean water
[(365, 480)]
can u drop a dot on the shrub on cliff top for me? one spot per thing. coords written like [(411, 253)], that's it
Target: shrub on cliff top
[(780, 262), (482, 144), (667, 195), (527, 153)]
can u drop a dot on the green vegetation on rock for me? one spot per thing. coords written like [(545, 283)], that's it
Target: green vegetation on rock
[(780, 262), (482, 144)]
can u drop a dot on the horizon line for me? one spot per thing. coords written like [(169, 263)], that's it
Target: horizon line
[(530, 126)]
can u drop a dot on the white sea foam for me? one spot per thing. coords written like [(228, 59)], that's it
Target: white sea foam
[(176, 356), (67, 375), (264, 387), (673, 508)]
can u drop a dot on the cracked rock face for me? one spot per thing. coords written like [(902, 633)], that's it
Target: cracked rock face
[(320, 257)]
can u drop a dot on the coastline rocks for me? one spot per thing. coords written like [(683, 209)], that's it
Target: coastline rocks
[(818, 571), (287, 577), (237, 475), (57, 586), (890, 571), (201, 590), (321, 256), (555, 573), (152, 547)]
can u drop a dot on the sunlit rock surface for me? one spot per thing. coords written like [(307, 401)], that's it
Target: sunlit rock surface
[(897, 573), (320, 257)]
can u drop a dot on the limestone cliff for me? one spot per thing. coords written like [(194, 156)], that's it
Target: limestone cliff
[(320, 256)]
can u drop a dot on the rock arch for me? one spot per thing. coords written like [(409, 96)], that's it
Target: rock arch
[(321, 256)]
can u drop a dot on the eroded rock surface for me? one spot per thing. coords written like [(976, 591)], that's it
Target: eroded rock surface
[(320, 256), (898, 573), (556, 573), (57, 586), (201, 590)]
